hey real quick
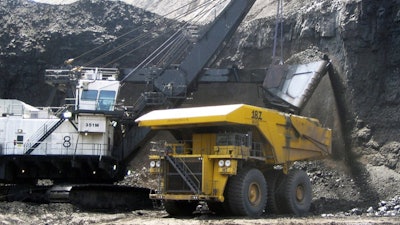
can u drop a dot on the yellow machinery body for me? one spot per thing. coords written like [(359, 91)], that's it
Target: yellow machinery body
[(216, 142)]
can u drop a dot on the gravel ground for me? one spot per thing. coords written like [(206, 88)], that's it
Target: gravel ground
[(24, 213)]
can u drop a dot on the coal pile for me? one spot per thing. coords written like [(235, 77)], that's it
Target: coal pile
[(390, 208)]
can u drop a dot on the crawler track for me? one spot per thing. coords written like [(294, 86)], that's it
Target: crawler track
[(91, 197), (110, 197)]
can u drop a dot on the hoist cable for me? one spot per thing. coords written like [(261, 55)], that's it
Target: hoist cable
[(162, 47), (137, 28), (151, 55), (205, 10), (278, 23), (131, 51), (142, 36), (129, 42), (172, 51), (198, 15), (281, 32)]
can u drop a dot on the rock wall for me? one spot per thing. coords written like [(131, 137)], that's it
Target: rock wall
[(362, 39), (35, 37)]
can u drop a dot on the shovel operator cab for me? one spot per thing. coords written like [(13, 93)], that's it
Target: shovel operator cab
[(229, 155), (72, 143)]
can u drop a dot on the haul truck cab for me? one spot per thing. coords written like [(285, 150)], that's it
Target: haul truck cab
[(226, 155)]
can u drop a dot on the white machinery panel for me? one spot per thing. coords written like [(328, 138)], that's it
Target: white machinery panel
[(96, 124)]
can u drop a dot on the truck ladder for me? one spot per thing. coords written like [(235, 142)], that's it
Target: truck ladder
[(185, 172)]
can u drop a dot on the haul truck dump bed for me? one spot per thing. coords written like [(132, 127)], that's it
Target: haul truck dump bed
[(225, 155)]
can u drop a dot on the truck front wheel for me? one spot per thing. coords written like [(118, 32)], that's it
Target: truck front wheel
[(247, 193)]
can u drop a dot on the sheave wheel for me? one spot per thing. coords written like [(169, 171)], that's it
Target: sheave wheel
[(297, 193), (180, 208), (247, 193)]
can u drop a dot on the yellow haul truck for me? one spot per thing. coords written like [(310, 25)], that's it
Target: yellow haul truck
[(236, 158)]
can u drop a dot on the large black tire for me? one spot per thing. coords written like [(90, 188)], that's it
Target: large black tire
[(246, 193), (180, 208), (297, 193), (222, 208), (274, 201)]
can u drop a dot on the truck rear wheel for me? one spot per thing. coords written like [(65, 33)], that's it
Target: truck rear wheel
[(297, 193), (247, 193), (180, 208), (274, 180)]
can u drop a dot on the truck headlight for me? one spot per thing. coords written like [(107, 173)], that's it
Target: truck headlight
[(221, 163), (158, 164), (152, 164), (228, 163)]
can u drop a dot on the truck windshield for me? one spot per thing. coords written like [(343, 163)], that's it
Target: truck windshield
[(231, 139)]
